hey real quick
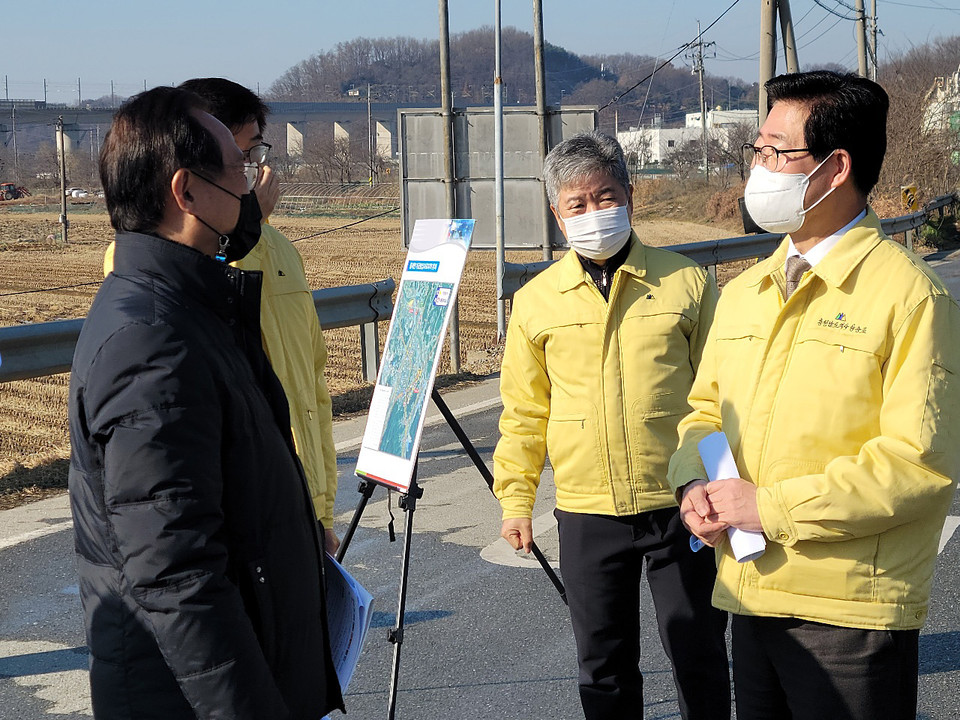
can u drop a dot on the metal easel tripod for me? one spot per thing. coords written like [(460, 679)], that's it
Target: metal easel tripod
[(408, 503)]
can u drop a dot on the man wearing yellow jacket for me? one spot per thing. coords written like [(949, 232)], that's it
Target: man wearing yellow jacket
[(289, 326), (601, 352), (832, 369)]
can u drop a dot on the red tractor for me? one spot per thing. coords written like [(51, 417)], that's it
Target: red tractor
[(9, 191)]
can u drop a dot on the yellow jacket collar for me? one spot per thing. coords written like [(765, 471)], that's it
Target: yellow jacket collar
[(572, 273), (837, 265)]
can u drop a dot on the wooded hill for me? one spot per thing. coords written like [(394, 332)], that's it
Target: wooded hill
[(407, 70)]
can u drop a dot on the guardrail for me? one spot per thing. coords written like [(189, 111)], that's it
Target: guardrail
[(40, 349), (711, 253)]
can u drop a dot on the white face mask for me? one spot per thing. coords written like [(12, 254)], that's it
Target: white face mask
[(775, 199), (600, 234)]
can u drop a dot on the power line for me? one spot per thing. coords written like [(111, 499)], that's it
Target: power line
[(50, 289), (618, 96), (835, 23), (938, 6), (834, 12), (344, 227)]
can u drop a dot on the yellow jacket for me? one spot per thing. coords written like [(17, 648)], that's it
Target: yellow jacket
[(600, 386), (294, 344), (842, 405)]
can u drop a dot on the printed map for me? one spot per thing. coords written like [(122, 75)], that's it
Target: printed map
[(408, 360)]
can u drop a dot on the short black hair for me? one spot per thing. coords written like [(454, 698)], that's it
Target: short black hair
[(230, 103), (153, 135), (847, 112)]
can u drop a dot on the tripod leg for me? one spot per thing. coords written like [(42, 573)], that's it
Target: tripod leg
[(488, 478), (365, 487), (409, 503)]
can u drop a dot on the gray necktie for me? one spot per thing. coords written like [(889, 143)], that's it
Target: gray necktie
[(796, 267)]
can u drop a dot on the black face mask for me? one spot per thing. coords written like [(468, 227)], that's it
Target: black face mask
[(238, 243)]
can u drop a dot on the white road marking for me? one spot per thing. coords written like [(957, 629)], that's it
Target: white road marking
[(949, 528), (34, 534), (500, 552)]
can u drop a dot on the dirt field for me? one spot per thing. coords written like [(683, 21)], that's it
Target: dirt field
[(64, 278)]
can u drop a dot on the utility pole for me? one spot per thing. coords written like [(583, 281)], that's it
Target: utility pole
[(768, 51), (874, 51), (446, 105), (541, 77), (369, 136), (698, 69), (789, 41), (6, 87), (861, 39), (61, 146), (44, 91), (498, 171), (79, 95), (113, 96), (16, 154)]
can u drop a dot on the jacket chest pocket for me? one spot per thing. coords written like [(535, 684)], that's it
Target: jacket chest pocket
[(848, 372), (739, 352)]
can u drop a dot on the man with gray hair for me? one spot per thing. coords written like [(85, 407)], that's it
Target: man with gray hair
[(601, 352)]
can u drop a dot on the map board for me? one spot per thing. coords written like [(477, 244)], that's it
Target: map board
[(428, 289)]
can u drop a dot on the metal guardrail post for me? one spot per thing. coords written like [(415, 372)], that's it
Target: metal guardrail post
[(369, 351)]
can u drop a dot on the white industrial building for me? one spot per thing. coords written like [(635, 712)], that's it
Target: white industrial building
[(655, 144)]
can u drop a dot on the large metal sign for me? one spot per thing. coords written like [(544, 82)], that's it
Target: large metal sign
[(422, 190)]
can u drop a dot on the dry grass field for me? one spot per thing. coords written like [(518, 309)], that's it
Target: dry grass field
[(42, 279)]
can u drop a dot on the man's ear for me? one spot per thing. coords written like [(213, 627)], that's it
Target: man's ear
[(181, 185), (556, 215), (843, 168)]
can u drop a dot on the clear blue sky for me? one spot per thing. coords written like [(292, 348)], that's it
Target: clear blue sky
[(130, 41)]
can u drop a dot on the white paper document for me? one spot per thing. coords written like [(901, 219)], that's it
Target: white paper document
[(349, 610), (719, 463)]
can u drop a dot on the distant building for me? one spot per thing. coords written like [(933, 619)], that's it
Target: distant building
[(655, 144), (717, 119), (943, 105)]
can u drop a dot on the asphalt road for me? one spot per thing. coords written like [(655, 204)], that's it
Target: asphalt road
[(486, 633)]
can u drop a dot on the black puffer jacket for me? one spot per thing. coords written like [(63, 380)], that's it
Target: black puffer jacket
[(199, 559)]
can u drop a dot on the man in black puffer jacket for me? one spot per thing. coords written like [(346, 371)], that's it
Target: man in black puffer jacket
[(200, 564)]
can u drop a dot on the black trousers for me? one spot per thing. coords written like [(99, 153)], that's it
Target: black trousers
[(789, 669), (601, 558)]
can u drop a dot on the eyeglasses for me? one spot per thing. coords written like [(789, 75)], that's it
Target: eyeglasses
[(258, 153), (250, 174), (768, 156), (251, 171)]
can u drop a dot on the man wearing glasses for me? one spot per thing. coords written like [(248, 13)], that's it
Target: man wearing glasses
[(289, 326), (832, 368), (291, 331), (199, 560)]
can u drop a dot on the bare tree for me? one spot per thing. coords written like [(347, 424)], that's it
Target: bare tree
[(685, 158), (926, 155), (637, 149), (730, 145)]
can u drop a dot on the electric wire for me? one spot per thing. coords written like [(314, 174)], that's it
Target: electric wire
[(938, 6), (619, 96), (834, 12)]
